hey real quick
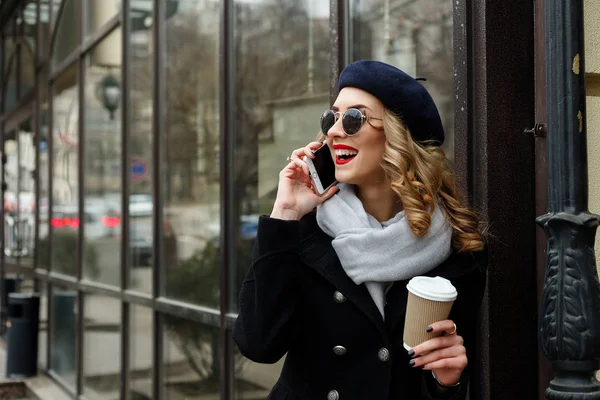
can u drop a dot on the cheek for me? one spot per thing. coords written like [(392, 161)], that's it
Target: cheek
[(375, 153)]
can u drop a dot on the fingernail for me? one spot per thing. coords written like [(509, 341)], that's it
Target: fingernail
[(412, 363), (429, 329), (411, 353)]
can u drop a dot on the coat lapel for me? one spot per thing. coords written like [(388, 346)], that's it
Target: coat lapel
[(318, 253)]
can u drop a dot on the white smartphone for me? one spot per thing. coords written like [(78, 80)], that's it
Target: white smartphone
[(321, 169)]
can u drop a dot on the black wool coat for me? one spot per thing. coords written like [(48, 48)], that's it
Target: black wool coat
[(297, 300)]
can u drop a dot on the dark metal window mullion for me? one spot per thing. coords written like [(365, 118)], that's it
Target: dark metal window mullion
[(337, 24), (50, 302), (81, 80), (158, 107), (125, 128), (17, 41), (227, 186), (36, 141)]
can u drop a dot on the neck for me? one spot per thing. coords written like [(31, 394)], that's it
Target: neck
[(379, 200)]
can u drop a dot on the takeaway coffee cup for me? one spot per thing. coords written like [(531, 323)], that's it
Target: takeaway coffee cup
[(429, 300)]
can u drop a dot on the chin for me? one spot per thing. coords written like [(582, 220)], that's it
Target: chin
[(345, 178)]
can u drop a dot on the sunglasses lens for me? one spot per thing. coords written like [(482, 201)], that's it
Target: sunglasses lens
[(352, 121), (327, 121)]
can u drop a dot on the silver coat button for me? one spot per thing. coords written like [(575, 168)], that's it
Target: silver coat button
[(339, 350), (339, 297), (333, 395), (383, 354)]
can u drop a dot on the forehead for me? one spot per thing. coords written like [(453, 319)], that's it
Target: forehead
[(349, 97)]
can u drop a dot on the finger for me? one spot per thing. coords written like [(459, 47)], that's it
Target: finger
[(446, 327), (435, 344), (447, 352), (328, 193), (459, 363), (301, 164), (311, 148)]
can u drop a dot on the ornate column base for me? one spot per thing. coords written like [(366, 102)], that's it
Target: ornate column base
[(569, 329)]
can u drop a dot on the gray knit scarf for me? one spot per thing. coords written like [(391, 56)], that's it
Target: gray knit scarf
[(380, 253)]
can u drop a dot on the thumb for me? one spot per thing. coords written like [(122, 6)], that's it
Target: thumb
[(329, 193)]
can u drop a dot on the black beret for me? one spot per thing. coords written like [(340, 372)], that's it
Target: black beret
[(400, 93)]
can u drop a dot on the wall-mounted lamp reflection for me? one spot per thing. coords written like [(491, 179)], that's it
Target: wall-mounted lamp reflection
[(108, 93)]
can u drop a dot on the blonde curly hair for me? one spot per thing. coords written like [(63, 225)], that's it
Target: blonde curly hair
[(421, 176)]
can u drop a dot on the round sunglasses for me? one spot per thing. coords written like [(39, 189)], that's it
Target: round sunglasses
[(352, 120)]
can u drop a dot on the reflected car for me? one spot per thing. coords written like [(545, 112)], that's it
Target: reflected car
[(102, 219)]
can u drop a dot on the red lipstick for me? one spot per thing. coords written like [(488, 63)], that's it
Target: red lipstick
[(341, 160), (343, 147)]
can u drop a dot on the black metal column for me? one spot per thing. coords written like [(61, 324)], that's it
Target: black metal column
[(569, 329)]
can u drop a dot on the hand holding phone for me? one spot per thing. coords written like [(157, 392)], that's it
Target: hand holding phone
[(321, 169), (297, 193)]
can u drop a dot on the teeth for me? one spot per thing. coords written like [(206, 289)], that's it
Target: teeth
[(345, 153)]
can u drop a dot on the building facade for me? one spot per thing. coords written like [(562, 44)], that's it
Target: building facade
[(141, 140)]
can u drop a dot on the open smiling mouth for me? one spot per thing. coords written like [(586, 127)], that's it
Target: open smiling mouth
[(344, 156)]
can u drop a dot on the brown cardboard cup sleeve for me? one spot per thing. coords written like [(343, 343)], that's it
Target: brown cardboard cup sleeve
[(430, 299)]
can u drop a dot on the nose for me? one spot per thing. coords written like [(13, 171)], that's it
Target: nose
[(337, 130)]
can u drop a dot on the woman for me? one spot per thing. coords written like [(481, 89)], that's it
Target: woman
[(328, 288)]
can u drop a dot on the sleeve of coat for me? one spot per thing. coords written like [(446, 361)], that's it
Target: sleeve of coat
[(265, 326), (465, 311)]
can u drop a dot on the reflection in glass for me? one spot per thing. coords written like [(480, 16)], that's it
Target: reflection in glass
[(64, 332), (27, 23), (66, 36), (12, 245), (282, 81), (44, 176), (102, 347), (140, 353), (191, 145), (141, 206), (416, 37), (25, 221), (43, 330), (98, 13), (43, 29), (9, 71), (190, 360), (65, 208), (10, 81), (102, 170), (19, 197), (254, 380)]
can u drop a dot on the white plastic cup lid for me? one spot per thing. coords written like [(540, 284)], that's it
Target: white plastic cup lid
[(436, 289)]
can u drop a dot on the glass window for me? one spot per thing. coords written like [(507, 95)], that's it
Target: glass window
[(98, 13), (12, 243), (65, 175), (43, 29), (64, 333), (44, 174), (66, 31), (415, 36), (141, 206), (190, 166), (43, 330), (27, 25), (102, 169), (102, 347), (25, 222), (140, 353), (254, 380), (10, 80), (282, 82), (190, 360)]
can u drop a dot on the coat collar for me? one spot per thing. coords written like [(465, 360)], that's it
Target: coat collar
[(318, 253)]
